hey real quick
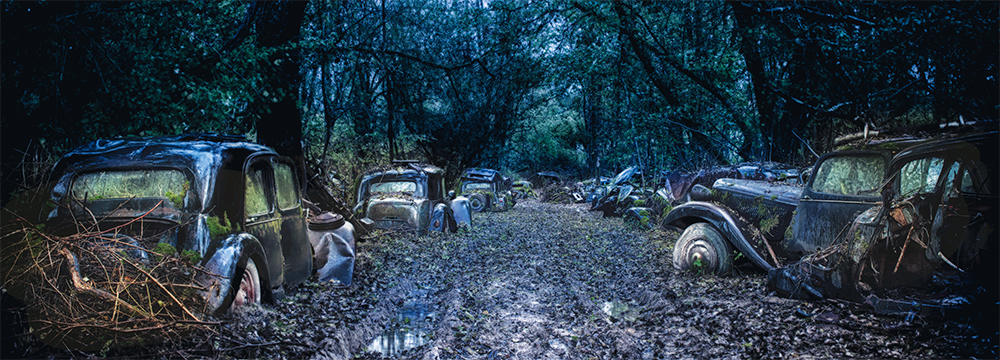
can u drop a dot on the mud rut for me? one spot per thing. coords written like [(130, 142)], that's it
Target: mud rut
[(553, 281)]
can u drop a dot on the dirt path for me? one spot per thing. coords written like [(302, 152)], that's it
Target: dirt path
[(550, 281)]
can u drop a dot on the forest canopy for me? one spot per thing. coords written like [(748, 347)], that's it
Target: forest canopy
[(580, 87)]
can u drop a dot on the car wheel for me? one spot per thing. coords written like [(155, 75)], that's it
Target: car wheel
[(477, 202), (702, 248), (248, 291)]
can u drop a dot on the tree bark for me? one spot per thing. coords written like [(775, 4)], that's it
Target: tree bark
[(280, 122), (755, 66)]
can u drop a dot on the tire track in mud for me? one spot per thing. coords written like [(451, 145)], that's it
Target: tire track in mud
[(534, 284)]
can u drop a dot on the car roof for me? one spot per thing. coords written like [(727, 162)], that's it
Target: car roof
[(478, 174), (988, 140), (401, 169), (199, 153)]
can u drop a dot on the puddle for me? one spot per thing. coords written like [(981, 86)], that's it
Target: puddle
[(620, 310), (411, 328)]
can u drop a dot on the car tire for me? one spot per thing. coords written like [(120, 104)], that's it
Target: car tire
[(247, 287), (477, 202), (702, 248)]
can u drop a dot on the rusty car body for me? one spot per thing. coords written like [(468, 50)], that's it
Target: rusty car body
[(934, 228), (487, 190), (771, 222), (522, 189), (841, 238), (409, 196), (236, 204), (591, 189)]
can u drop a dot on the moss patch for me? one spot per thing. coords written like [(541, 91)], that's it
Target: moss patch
[(215, 227)]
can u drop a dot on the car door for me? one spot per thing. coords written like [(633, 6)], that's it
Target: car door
[(843, 185), (294, 239), (261, 219)]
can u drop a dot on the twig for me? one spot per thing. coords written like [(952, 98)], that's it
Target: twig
[(84, 236), (80, 285), (169, 293)]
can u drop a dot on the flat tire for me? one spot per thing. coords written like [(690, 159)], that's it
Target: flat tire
[(701, 248), (248, 288)]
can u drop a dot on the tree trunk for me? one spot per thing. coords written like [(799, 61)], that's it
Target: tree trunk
[(755, 66), (280, 123)]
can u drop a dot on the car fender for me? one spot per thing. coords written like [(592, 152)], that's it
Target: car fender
[(723, 220), (461, 210), (439, 218), (227, 255)]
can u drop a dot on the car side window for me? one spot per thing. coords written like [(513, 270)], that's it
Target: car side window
[(920, 176), (256, 199), (284, 179)]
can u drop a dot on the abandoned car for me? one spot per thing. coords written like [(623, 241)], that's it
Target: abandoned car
[(486, 190), (935, 227), (235, 205), (591, 189), (621, 193), (410, 196), (942, 212), (522, 189)]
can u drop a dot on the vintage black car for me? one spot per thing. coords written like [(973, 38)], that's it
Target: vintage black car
[(935, 227), (774, 223), (487, 190), (410, 196), (236, 204)]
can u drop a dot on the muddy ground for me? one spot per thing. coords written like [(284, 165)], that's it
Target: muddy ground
[(554, 281)]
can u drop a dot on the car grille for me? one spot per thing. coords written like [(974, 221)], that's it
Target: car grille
[(391, 224)]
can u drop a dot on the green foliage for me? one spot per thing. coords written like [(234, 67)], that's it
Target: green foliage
[(517, 85), (178, 199), (164, 249), (191, 256), (216, 228), (122, 69), (789, 233), (769, 223), (698, 266)]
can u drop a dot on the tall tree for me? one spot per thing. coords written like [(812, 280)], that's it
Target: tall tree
[(277, 25)]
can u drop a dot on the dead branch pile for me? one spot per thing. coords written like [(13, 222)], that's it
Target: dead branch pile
[(99, 290)]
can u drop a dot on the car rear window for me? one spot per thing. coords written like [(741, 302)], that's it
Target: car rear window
[(850, 175), (130, 183)]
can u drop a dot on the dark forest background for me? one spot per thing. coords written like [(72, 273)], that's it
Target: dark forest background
[(579, 87)]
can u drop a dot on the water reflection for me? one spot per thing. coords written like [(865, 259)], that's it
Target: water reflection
[(395, 340), (620, 310), (410, 329)]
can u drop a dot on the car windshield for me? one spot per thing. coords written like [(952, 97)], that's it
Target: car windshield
[(475, 186), (130, 183), (850, 175), (393, 187)]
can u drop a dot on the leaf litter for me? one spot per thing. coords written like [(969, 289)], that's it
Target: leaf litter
[(554, 281)]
